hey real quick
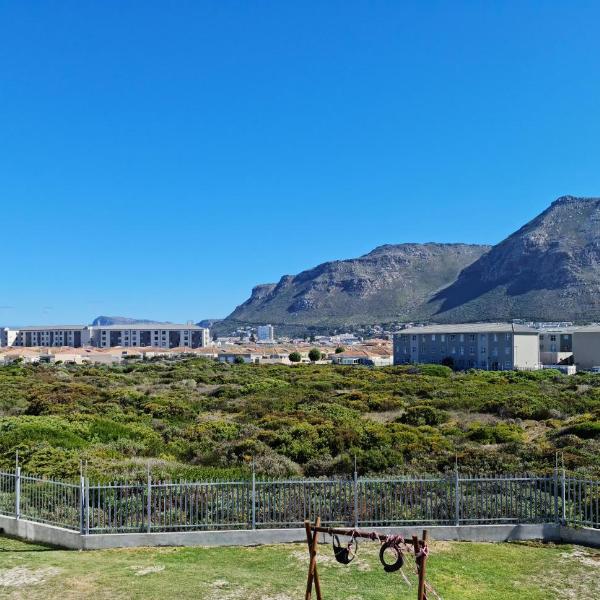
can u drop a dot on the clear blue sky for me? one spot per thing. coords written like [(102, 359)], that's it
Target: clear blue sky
[(158, 159)]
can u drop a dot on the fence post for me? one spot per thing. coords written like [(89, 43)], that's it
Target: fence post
[(87, 505), (355, 487), (82, 504), (457, 497), (149, 502), (564, 496), (18, 492), (556, 516), (253, 498)]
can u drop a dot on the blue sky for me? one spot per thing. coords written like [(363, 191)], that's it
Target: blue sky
[(159, 159)]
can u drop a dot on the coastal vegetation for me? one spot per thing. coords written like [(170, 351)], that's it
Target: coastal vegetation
[(196, 418)]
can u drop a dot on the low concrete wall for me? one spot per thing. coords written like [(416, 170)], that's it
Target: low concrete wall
[(56, 536), (40, 532), (581, 536)]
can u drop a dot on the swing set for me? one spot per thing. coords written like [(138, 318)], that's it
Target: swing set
[(393, 546)]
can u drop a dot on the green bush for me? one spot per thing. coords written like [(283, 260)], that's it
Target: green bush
[(587, 430), (435, 370), (422, 414)]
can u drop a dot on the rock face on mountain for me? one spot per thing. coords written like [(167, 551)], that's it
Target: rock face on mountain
[(390, 283), (547, 270)]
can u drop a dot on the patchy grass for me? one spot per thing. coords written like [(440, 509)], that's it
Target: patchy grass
[(457, 570)]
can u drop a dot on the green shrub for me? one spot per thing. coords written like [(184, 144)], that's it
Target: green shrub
[(587, 430), (423, 414), (435, 370)]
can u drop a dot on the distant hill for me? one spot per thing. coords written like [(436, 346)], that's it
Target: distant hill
[(389, 283), (103, 320), (548, 270)]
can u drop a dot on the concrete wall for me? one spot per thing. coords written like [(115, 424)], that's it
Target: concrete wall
[(526, 351), (56, 536), (586, 349)]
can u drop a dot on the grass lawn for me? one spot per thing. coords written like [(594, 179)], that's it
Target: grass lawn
[(457, 570)]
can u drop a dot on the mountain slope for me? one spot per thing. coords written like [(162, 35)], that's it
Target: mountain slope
[(547, 270), (390, 283)]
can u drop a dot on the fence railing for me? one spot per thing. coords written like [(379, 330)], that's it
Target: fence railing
[(160, 506)]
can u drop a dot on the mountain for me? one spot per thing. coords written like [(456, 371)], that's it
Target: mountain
[(103, 320), (388, 284), (548, 270)]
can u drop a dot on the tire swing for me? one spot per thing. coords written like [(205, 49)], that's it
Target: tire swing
[(387, 548), (392, 555), (344, 554)]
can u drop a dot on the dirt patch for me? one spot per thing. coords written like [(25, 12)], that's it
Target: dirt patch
[(22, 576), (585, 558), (386, 416), (140, 571)]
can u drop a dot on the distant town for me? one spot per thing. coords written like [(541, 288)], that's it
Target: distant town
[(485, 346)]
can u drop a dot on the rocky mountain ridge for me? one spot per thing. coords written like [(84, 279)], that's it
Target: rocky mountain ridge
[(547, 270)]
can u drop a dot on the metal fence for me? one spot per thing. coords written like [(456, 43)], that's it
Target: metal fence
[(161, 506)]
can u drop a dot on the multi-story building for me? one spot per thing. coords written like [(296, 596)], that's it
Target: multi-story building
[(47, 335), (159, 335), (556, 346), (490, 346), (265, 333), (586, 347)]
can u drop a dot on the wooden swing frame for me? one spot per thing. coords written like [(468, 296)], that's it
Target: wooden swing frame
[(312, 539)]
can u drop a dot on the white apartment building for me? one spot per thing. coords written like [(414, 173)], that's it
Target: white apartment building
[(46, 335), (158, 335), (265, 333), (489, 346)]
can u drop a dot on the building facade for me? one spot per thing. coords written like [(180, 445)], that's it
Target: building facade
[(157, 335), (586, 347), (556, 346), (74, 336), (489, 346), (265, 333)]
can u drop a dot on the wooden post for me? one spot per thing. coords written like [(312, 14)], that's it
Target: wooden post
[(312, 540), (421, 561)]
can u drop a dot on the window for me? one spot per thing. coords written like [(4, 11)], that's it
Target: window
[(414, 338), (471, 349), (483, 351), (508, 337), (495, 337), (452, 337), (462, 337), (507, 351), (552, 338), (433, 337), (472, 337), (414, 349), (541, 336), (443, 338)]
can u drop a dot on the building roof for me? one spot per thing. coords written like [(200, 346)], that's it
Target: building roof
[(470, 328), (43, 327), (587, 329), (149, 326)]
